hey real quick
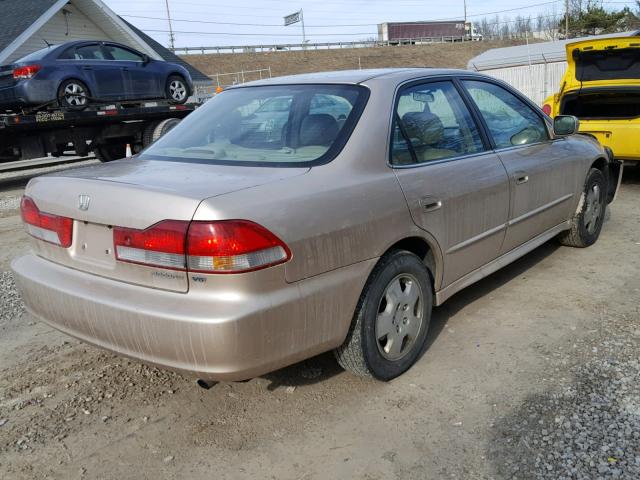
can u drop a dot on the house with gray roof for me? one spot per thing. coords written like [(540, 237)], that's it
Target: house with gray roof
[(29, 25)]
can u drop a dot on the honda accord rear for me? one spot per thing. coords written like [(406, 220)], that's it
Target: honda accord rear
[(163, 258)]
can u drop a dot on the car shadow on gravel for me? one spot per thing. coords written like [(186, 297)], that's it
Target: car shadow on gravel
[(324, 367), (441, 315)]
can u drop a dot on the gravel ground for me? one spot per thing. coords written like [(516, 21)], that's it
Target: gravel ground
[(590, 426), (11, 306)]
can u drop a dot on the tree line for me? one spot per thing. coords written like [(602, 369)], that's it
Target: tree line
[(586, 17)]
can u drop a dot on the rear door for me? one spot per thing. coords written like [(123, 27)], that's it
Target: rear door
[(542, 170), (456, 187), (139, 76), (108, 78)]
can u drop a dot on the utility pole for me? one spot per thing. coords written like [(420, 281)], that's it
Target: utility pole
[(171, 36), (465, 21), (566, 19)]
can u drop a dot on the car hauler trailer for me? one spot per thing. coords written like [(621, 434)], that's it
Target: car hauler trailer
[(105, 129)]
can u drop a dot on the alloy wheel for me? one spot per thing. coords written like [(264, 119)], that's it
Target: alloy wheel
[(177, 90), (593, 209), (400, 317), (75, 95)]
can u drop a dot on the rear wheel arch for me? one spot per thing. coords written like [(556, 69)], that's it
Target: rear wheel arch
[(426, 250)]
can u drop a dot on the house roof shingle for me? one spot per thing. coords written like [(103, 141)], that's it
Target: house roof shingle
[(18, 15)]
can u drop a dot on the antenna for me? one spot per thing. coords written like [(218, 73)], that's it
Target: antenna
[(46, 43)]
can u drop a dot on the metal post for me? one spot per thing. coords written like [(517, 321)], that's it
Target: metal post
[(171, 37), (464, 30), (304, 38), (566, 19)]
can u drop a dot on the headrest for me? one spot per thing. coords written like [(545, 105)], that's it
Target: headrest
[(424, 126), (318, 129)]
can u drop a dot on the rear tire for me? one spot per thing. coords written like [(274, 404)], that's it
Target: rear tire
[(177, 90), (389, 328), (155, 130), (73, 95), (586, 224), (110, 151)]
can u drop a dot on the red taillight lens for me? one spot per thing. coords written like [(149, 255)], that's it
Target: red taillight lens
[(26, 71), (546, 108), (45, 226), (228, 246), (161, 245), (233, 246)]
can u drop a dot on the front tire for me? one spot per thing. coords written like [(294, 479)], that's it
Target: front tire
[(391, 321), (177, 90), (73, 95), (586, 224)]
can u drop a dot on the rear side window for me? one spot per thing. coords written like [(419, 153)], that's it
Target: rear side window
[(432, 123), (118, 53), (89, 52), (511, 121), (285, 125)]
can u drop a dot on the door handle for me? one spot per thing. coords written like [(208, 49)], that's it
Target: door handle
[(522, 178), (429, 204), (87, 68)]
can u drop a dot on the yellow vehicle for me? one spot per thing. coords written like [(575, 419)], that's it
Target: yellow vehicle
[(602, 88)]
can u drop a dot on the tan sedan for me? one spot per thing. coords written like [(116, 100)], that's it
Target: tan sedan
[(303, 214)]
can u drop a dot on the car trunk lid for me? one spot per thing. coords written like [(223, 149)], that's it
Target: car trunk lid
[(6, 76), (133, 194), (607, 61)]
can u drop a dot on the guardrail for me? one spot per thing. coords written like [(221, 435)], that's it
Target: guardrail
[(317, 46)]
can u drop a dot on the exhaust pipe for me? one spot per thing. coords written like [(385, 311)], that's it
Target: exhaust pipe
[(206, 384)]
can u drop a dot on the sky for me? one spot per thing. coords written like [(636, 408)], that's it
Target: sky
[(325, 20)]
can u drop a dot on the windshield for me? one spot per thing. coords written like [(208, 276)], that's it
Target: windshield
[(37, 55), (284, 125)]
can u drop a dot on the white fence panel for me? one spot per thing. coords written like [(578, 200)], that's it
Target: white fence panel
[(537, 81)]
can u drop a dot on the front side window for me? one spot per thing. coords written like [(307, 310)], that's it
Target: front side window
[(89, 52), (432, 123), (511, 121), (118, 53), (274, 125)]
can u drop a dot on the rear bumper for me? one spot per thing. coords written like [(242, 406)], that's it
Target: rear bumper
[(217, 334)]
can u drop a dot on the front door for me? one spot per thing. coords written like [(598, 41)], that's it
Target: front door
[(541, 169), (456, 187)]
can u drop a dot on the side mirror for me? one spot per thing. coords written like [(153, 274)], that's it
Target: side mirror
[(145, 58), (564, 125)]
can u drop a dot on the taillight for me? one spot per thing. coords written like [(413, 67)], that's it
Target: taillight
[(546, 108), (161, 245), (45, 226), (226, 246), (233, 246), (26, 71)]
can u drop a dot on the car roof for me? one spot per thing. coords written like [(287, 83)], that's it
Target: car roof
[(359, 76)]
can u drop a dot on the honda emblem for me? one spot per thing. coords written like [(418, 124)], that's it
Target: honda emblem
[(83, 202)]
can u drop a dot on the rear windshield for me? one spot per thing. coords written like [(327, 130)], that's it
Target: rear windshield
[(623, 63), (37, 55), (284, 125)]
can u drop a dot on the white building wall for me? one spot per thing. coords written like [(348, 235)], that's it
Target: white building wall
[(537, 81)]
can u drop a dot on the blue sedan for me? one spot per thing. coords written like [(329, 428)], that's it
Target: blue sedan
[(77, 73)]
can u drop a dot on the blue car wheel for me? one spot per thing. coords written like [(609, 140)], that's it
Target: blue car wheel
[(73, 94)]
